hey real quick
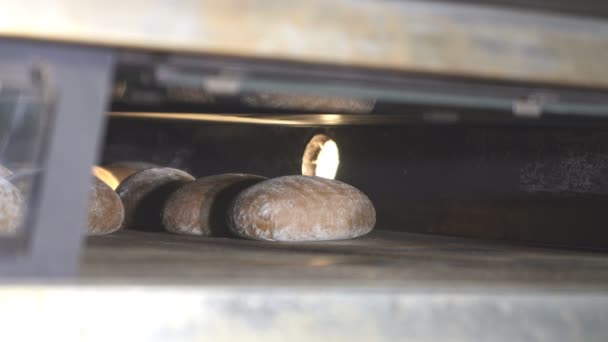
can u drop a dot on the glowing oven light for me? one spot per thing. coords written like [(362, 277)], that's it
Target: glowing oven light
[(328, 160), (321, 157), (106, 176)]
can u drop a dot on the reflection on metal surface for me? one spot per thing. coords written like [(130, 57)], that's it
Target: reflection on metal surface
[(296, 119), (322, 261), (404, 35), (303, 119), (210, 118)]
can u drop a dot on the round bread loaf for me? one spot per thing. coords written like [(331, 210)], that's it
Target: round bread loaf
[(301, 208), (200, 207), (122, 170), (12, 207), (144, 194), (105, 211)]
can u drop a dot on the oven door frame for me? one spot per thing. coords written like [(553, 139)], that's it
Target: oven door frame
[(74, 83)]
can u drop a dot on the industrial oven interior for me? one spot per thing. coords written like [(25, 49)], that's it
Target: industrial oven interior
[(424, 165)]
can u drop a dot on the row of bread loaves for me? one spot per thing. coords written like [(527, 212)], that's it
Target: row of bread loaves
[(290, 208)]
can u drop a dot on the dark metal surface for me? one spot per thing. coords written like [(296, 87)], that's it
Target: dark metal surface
[(590, 8), (381, 259), (535, 183), (156, 83), (384, 286), (79, 79)]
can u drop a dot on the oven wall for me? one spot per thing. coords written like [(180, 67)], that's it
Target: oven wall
[(521, 183)]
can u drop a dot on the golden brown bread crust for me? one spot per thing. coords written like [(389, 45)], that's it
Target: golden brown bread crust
[(199, 207), (301, 208), (12, 207), (144, 194), (105, 210), (122, 170), (105, 176)]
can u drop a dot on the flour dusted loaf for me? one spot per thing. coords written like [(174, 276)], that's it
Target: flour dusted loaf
[(301, 208), (144, 194), (199, 207), (12, 207), (105, 210)]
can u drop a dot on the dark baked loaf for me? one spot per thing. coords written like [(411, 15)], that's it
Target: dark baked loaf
[(301, 208), (105, 210), (144, 194), (200, 207)]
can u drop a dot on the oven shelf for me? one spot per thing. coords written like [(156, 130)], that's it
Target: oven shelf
[(380, 259), (158, 287)]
